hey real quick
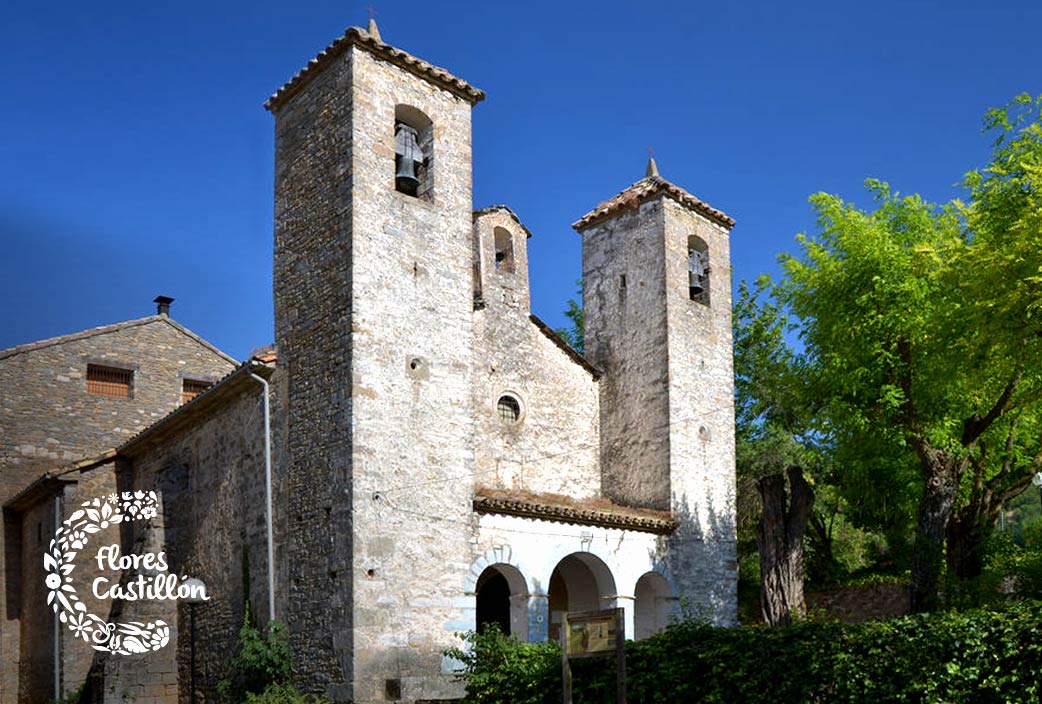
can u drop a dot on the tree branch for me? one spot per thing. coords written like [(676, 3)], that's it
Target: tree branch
[(975, 425)]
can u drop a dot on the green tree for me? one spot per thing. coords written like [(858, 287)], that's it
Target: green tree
[(575, 335), (773, 446), (922, 324)]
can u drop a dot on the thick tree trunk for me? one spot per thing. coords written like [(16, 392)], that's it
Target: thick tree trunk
[(779, 538), (967, 535), (935, 508)]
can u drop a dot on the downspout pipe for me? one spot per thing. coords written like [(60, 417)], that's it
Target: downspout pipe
[(57, 628), (267, 496)]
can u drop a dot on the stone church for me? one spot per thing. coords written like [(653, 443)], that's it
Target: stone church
[(440, 458)]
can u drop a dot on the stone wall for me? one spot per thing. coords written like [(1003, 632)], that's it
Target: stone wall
[(554, 448), (210, 479), (48, 418), (860, 604), (312, 285), (667, 409), (625, 316), (412, 448), (701, 418)]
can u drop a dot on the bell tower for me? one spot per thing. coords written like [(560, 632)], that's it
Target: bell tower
[(373, 314), (657, 304)]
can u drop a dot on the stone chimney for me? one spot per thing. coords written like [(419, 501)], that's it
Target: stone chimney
[(163, 305)]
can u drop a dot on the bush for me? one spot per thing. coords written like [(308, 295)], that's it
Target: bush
[(502, 669), (263, 660), (284, 694), (977, 656)]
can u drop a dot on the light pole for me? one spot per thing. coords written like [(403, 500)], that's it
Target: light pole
[(196, 596)]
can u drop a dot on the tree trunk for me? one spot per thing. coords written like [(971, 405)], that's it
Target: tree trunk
[(935, 508), (779, 538), (967, 535)]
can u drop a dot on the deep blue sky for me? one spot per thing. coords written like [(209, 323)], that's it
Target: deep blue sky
[(135, 157)]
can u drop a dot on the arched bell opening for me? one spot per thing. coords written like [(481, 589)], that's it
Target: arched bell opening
[(580, 582), (413, 152)]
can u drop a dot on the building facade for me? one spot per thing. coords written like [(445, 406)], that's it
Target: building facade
[(442, 460)]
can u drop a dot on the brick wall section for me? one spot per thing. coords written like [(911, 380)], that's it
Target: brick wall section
[(555, 448), (47, 418)]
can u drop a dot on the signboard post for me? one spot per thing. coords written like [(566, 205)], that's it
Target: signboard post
[(592, 634)]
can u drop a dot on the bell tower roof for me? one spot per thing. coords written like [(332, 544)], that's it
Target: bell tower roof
[(370, 40), (648, 188)]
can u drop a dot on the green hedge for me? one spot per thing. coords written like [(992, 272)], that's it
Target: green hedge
[(973, 656)]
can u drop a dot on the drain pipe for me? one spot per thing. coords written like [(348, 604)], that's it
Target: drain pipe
[(57, 628), (267, 497)]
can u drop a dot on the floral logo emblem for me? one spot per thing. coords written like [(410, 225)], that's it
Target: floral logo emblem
[(70, 538)]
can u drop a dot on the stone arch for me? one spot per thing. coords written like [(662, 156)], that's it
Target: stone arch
[(653, 604), (413, 152), (580, 581), (501, 595)]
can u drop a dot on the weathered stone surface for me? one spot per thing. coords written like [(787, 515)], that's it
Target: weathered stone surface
[(47, 419)]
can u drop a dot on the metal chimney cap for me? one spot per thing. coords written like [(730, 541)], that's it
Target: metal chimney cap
[(163, 304)]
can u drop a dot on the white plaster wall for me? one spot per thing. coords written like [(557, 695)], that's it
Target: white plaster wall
[(535, 548)]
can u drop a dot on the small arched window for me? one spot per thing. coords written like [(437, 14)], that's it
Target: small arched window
[(504, 246), (698, 270), (413, 153)]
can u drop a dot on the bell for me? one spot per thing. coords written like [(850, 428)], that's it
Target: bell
[(405, 175)]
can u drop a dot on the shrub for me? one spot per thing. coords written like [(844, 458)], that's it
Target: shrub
[(263, 660), (984, 655), (283, 694)]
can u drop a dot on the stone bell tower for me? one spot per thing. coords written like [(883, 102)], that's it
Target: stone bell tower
[(657, 301), (373, 305)]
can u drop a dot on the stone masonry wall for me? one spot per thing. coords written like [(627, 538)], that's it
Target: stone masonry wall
[(626, 338), (413, 430), (555, 446), (312, 287), (210, 478), (701, 430), (47, 417)]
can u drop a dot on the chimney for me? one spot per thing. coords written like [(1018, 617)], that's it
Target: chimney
[(163, 304)]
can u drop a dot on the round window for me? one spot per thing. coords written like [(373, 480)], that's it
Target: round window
[(509, 409)]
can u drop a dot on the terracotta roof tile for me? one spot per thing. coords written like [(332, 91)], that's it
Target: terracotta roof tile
[(501, 209), (644, 190), (356, 36), (560, 509)]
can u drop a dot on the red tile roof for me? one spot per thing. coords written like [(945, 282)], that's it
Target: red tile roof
[(356, 36), (644, 190)]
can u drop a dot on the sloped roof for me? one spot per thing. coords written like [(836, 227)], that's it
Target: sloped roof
[(356, 36), (197, 408), (644, 190), (500, 209), (115, 327)]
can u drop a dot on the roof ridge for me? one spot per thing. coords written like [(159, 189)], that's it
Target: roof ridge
[(356, 36), (79, 335), (110, 328), (644, 190)]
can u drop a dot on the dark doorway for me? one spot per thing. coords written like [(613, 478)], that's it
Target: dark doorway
[(493, 601)]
